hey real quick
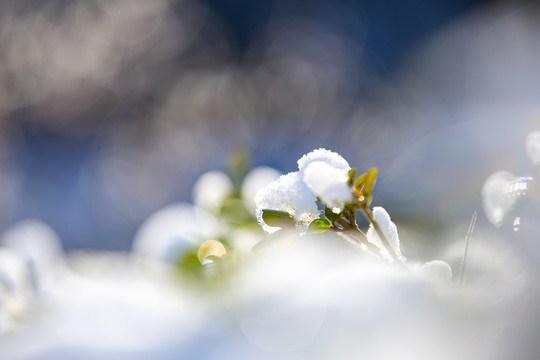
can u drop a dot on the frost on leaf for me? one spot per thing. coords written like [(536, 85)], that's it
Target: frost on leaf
[(288, 193), (497, 196), (331, 158), (389, 230), (328, 183)]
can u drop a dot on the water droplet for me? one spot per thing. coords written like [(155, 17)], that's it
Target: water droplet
[(517, 223)]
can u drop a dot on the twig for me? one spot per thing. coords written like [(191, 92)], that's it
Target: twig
[(357, 241), (467, 243)]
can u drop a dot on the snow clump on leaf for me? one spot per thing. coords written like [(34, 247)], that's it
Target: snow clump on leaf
[(331, 158), (328, 183), (288, 193)]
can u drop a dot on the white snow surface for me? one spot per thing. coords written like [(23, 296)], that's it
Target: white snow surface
[(328, 183), (331, 158), (389, 230), (288, 193)]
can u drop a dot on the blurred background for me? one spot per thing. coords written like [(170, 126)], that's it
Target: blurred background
[(110, 110)]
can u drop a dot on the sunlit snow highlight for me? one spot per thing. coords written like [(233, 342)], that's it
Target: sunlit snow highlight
[(328, 183), (389, 230), (331, 158)]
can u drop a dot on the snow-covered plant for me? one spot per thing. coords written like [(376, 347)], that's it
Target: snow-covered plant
[(205, 241), (324, 179), (31, 261)]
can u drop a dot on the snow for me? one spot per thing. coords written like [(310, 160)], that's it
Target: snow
[(210, 190), (389, 230), (331, 158), (436, 270), (257, 179), (40, 247), (497, 196), (328, 183), (167, 233), (532, 145), (321, 173), (16, 290), (288, 193)]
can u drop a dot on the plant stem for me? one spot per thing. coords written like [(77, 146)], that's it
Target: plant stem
[(369, 216), (359, 238), (350, 228)]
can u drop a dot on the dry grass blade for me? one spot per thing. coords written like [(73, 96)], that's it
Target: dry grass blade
[(466, 253)]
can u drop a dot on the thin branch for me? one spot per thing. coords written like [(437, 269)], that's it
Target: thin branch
[(466, 253), (352, 231)]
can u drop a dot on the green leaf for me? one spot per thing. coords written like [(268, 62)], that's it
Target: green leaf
[(188, 265), (319, 226), (359, 183), (277, 218), (370, 181), (348, 211), (330, 215), (350, 177), (234, 212)]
